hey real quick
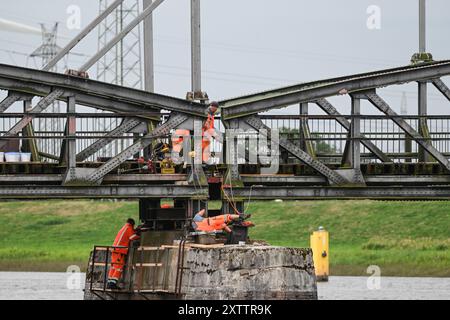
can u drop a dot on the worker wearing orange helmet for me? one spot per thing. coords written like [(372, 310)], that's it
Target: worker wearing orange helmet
[(208, 130), (218, 223), (120, 250)]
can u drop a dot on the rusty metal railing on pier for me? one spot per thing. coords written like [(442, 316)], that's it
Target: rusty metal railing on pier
[(147, 270)]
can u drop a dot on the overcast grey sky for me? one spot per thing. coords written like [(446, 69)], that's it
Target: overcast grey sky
[(253, 45)]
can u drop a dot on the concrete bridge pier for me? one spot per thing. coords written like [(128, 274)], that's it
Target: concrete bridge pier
[(167, 266)]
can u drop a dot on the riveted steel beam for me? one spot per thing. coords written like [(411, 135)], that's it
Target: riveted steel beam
[(312, 84), (320, 192), (248, 179), (93, 93), (9, 101), (442, 87), (255, 192), (279, 98), (104, 191), (371, 180)]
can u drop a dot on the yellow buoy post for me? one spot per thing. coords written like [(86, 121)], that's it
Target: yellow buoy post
[(320, 247)]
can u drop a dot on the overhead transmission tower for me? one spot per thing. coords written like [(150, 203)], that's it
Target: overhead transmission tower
[(122, 65), (49, 47)]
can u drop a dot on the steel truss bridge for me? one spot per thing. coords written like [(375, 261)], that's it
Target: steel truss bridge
[(331, 156), (360, 168)]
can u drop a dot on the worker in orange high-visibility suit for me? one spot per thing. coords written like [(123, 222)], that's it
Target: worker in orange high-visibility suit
[(200, 223), (208, 131), (119, 253), (177, 141)]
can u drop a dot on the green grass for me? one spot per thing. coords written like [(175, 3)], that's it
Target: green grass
[(403, 238), (51, 235)]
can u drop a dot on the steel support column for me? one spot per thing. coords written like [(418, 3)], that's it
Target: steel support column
[(352, 153), (149, 67), (29, 145), (196, 62), (305, 135), (422, 85), (197, 175), (68, 147), (356, 134), (149, 75), (423, 125), (422, 26), (232, 178), (71, 132)]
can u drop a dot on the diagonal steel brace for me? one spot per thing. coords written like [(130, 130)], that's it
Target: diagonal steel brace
[(333, 176), (163, 130), (382, 105)]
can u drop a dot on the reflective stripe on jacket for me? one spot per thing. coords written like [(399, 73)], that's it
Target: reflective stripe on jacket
[(123, 238)]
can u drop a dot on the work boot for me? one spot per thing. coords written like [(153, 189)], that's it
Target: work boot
[(244, 216), (112, 285), (247, 224)]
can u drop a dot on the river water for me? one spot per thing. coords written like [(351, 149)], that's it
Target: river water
[(67, 286)]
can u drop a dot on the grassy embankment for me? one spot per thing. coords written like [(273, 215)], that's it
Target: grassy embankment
[(403, 238)]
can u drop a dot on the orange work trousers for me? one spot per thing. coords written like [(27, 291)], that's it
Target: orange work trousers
[(178, 138), (181, 134), (214, 223), (205, 150), (117, 264)]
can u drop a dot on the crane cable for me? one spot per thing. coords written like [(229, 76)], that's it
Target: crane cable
[(232, 201), (232, 204)]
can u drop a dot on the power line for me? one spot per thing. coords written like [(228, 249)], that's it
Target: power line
[(391, 93), (270, 51), (15, 52), (18, 43), (25, 18)]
